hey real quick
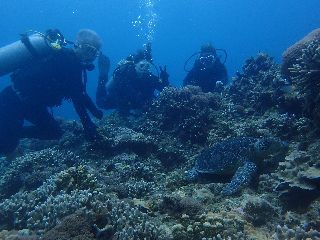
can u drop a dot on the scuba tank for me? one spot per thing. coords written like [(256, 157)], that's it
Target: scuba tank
[(30, 46)]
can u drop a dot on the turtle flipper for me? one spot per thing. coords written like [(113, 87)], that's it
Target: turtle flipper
[(241, 178)]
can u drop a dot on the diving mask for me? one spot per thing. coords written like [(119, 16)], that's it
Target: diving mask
[(88, 52)]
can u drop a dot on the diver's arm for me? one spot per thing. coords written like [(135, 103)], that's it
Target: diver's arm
[(163, 81), (92, 107), (89, 127)]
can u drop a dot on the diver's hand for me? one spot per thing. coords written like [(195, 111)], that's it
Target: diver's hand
[(103, 66), (164, 76), (219, 86)]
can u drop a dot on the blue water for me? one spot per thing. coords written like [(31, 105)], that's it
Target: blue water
[(178, 28)]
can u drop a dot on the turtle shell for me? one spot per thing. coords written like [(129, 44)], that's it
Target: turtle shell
[(225, 157)]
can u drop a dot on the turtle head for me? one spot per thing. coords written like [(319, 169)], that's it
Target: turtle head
[(269, 145), (192, 175)]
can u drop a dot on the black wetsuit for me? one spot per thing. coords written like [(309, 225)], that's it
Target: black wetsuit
[(35, 87), (206, 77), (127, 90)]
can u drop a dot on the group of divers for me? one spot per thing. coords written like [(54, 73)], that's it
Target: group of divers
[(45, 69)]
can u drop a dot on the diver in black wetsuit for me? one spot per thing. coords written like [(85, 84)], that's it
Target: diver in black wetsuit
[(207, 72), (43, 83), (132, 85)]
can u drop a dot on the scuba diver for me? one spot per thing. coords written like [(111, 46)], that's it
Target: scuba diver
[(208, 72), (45, 73), (133, 85)]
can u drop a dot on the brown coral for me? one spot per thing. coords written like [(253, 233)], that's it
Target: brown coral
[(301, 63), (76, 226), (290, 56)]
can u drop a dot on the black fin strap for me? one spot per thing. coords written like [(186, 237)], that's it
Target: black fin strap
[(26, 41)]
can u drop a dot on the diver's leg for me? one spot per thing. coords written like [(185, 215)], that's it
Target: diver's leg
[(11, 120), (45, 126)]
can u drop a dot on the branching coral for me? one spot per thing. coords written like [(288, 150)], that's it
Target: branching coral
[(306, 76), (301, 63), (259, 85), (186, 112), (306, 72)]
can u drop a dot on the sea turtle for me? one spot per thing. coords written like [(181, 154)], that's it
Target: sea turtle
[(238, 156)]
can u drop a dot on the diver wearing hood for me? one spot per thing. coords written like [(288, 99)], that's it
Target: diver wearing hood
[(208, 72), (44, 82), (132, 85)]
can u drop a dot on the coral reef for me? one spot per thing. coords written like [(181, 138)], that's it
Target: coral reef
[(126, 139), (294, 52), (299, 179), (284, 232), (177, 205), (43, 210), (258, 211), (132, 185), (23, 234), (259, 87), (210, 225), (59, 196), (29, 171), (76, 226), (187, 113), (301, 63)]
